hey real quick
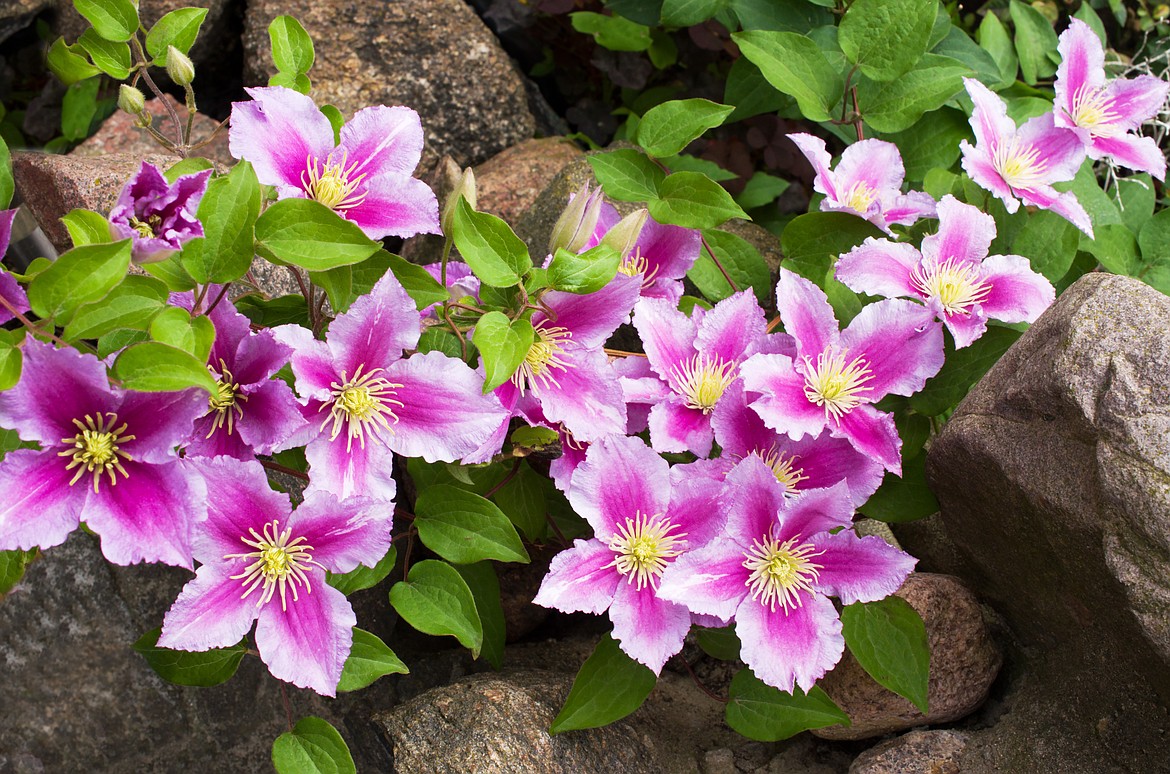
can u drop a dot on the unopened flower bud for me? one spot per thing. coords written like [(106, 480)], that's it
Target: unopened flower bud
[(180, 68), (131, 100), (465, 187), (624, 234), (576, 224)]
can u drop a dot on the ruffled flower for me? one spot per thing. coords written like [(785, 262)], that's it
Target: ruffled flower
[(158, 216)]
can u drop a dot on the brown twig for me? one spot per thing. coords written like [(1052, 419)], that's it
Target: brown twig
[(699, 683), (718, 263), (276, 466)]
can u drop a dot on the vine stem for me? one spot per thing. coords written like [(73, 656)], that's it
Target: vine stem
[(504, 481), (699, 683), (218, 298), (144, 63), (276, 466), (718, 263), (27, 323)]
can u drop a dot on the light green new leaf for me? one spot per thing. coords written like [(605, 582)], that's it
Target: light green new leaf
[(692, 200), (115, 20), (587, 272), (69, 63), (179, 28), (228, 212), (613, 32), (130, 305), (312, 747), (436, 600), (113, 58), (627, 175), (77, 277), (86, 227), (668, 128), (79, 106), (176, 327), (306, 233), (503, 345), (292, 48), (155, 367), (767, 714), (11, 359), (7, 183), (609, 686), (369, 658), (12, 564), (885, 38), (489, 246), (795, 65), (464, 528), (888, 639)]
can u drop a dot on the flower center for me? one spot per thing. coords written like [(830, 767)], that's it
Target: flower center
[(779, 571), (835, 384), (1018, 164), (956, 284), (280, 564), (784, 468), (859, 197), (1091, 110), (362, 404), (95, 449), (226, 400), (634, 264), (644, 545), (333, 184), (703, 381), (147, 229), (543, 357)]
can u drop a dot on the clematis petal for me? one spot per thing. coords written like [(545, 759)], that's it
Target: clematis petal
[(382, 140), (343, 534), (1064, 204), (312, 363), (709, 581), (160, 421), (739, 430), (667, 336), (782, 404), (580, 579), (208, 440), (795, 646), (1082, 66), (908, 208), (238, 500), (964, 233), (753, 499), (875, 164), (375, 330), (13, 293), (210, 611), (1141, 154), (56, 387), (872, 432), (732, 330), (308, 643), (989, 119), (815, 510), (650, 630), (620, 477), (396, 205), (1059, 150), (593, 317), (901, 344), (678, 428), (278, 132), (1136, 100), (271, 417), (361, 471), (257, 357), (695, 509), (978, 164), (880, 267), (1018, 294), (39, 508), (859, 569), (670, 251), (964, 328), (806, 313), (6, 218), (815, 151), (826, 460), (587, 397)]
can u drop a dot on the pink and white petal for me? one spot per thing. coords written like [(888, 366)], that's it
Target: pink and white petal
[(964, 233), (815, 510), (666, 289), (872, 432), (231, 329), (561, 469), (207, 440), (648, 629), (344, 534), (210, 611), (348, 472), (39, 507), (782, 402), (56, 387), (593, 317), (676, 428), (312, 362), (695, 509), (6, 218), (733, 329), (581, 579), (1018, 294), (708, 581), (876, 164), (1082, 65), (670, 251), (375, 330), (978, 164), (667, 335), (646, 389), (859, 569), (753, 500), (1136, 100), (308, 643), (1064, 204), (396, 205), (825, 460), (619, 478), (278, 131), (257, 357), (159, 421), (815, 151), (1131, 151), (908, 208), (879, 267), (12, 293), (381, 140), (238, 500), (796, 646), (989, 120), (1061, 152), (965, 328), (738, 429), (271, 417), (806, 313), (587, 397), (901, 344)]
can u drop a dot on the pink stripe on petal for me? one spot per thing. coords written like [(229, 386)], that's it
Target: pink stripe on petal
[(787, 647), (879, 267), (39, 508), (860, 569), (964, 233), (308, 643), (806, 313), (210, 611), (1061, 151), (344, 534), (1064, 204), (159, 421), (592, 318), (738, 429), (965, 328), (900, 343), (257, 357), (872, 433), (312, 363), (876, 164), (580, 579), (708, 581), (620, 478), (14, 294), (753, 500), (989, 120), (696, 510), (978, 164), (1141, 154), (782, 402), (676, 428), (907, 209), (358, 471), (733, 329), (587, 397), (1136, 100), (381, 140), (667, 336), (814, 511), (396, 205), (238, 500), (650, 630), (271, 417), (815, 151), (1082, 64), (278, 131), (827, 460), (1018, 294), (670, 251), (375, 330), (56, 387)]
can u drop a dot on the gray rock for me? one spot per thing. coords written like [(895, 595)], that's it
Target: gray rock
[(16, 14), (435, 56), (964, 661), (918, 752), (119, 135)]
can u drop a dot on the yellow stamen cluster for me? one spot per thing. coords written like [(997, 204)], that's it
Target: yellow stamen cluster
[(643, 546), (333, 184), (784, 468), (280, 564), (544, 356), (148, 228), (859, 198), (702, 381), (96, 448), (835, 384), (634, 264), (1019, 164), (362, 405), (958, 285), (1092, 110), (780, 571), (226, 400)]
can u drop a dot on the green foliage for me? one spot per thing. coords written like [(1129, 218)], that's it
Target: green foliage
[(885, 38), (485, 588), (613, 32), (1035, 43), (609, 686), (12, 564), (897, 105), (489, 246), (587, 272), (740, 259), (179, 28), (463, 527), (795, 65), (767, 714), (176, 327), (181, 667), (292, 53), (228, 212), (369, 659), (693, 200), (436, 600), (70, 63), (306, 233), (312, 747), (888, 639), (362, 577), (153, 366), (132, 304), (115, 20), (11, 359), (503, 344), (668, 128), (627, 175), (77, 277)]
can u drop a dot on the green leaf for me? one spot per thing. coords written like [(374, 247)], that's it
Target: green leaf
[(994, 39), (113, 58), (812, 242), (112, 19), (489, 246), (77, 277), (283, 310), (503, 344), (306, 233), (903, 499), (741, 260), (888, 639), (1116, 248), (132, 305), (86, 227), (298, 82), (761, 189), (187, 166), (1136, 197), (961, 370), (587, 272), (627, 175), (524, 499), (959, 46), (175, 326), (228, 212), (668, 128), (613, 32), (1154, 240), (171, 272), (292, 48), (436, 600), (336, 120), (415, 280), (790, 15), (181, 667), (7, 183), (369, 658), (338, 286), (767, 714), (692, 200), (609, 686), (932, 144), (1101, 207), (1086, 14), (899, 104), (69, 63), (11, 359), (1048, 241), (686, 13), (12, 564), (795, 65), (1035, 42), (439, 340), (179, 28), (78, 109), (485, 587), (463, 527), (750, 92), (721, 643), (362, 577), (312, 747), (155, 367), (885, 38)]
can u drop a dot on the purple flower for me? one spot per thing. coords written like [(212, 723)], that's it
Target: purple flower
[(107, 457), (891, 347), (10, 291), (1106, 115), (641, 524), (261, 562), (369, 402), (775, 566), (366, 178), (867, 182), (952, 275), (159, 216), (461, 282), (1022, 164), (661, 255)]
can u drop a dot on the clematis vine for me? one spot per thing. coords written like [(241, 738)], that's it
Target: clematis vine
[(1105, 116), (953, 274), (659, 254), (108, 458), (261, 561), (365, 178), (891, 347), (11, 293), (641, 524), (773, 568), (867, 182), (366, 401), (1021, 164), (158, 216)]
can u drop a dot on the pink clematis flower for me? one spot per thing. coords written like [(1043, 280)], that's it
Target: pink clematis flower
[(107, 458), (1105, 116), (10, 290), (366, 178), (661, 254), (867, 182), (367, 402), (158, 216), (953, 274), (891, 347), (1022, 164), (641, 524), (263, 562), (774, 567)]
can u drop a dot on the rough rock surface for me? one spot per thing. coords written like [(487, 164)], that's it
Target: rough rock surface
[(15, 14), (119, 135), (435, 56), (964, 661), (918, 752)]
